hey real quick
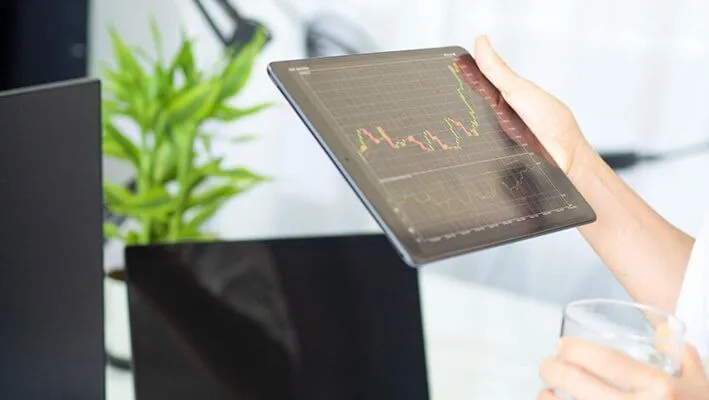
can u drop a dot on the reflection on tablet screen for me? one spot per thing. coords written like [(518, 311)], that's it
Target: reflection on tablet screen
[(455, 167)]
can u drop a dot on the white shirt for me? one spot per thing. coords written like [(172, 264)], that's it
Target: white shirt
[(693, 302)]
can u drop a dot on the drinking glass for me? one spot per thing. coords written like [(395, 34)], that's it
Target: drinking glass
[(647, 334)]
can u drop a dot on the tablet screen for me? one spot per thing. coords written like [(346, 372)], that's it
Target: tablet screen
[(434, 151)]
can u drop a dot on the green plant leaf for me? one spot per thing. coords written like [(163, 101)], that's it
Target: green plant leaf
[(113, 150), (158, 87), (226, 113), (160, 127), (129, 150), (119, 85), (170, 111), (189, 234), (199, 175), (238, 70), (184, 140), (141, 111), (240, 178), (203, 215), (125, 59), (213, 195), (206, 140), (155, 203), (115, 194), (238, 139), (184, 149), (235, 139), (239, 175), (159, 230), (165, 168), (157, 40), (143, 55), (195, 104), (109, 109), (184, 61), (132, 238), (111, 230), (195, 235), (130, 82)]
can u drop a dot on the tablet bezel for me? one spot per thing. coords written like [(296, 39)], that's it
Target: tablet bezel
[(327, 134)]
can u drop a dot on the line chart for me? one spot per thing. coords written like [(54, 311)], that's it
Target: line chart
[(427, 141), (446, 154), (481, 189)]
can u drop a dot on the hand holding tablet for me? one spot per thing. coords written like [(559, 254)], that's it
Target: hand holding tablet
[(431, 148)]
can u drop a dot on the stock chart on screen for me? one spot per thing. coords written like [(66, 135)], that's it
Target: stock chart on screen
[(450, 156)]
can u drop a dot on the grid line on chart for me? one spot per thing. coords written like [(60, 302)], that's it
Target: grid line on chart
[(438, 147)]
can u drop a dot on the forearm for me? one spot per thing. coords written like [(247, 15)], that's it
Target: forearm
[(646, 253)]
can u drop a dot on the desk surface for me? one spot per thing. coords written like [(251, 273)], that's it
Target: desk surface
[(480, 342)]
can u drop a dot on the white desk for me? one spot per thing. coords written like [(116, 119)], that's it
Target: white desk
[(481, 343)]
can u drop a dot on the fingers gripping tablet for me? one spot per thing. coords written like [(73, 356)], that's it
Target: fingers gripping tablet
[(434, 152)]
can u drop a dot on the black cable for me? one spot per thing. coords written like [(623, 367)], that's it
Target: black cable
[(333, 35), (628, 159), (244, 28), (328, 34)]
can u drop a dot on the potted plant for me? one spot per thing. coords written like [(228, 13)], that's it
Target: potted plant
[(179, 182)]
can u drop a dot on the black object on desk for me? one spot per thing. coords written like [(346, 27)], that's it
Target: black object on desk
[(317, 318), (51, 274)]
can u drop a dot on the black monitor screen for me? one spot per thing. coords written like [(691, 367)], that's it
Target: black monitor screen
[(51, 257), (321, 318)]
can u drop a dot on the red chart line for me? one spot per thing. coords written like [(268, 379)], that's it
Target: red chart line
[(425, 141)]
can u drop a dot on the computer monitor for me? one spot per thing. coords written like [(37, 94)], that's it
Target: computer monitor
[(51, 274), (316, 318)]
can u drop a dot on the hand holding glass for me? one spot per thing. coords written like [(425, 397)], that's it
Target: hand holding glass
[(646, 334)]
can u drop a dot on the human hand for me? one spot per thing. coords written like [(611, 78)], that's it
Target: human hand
[(588, 371), (548, 118)]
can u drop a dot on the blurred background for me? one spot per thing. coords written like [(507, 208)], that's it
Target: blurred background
[(633, 72), (636, 74)]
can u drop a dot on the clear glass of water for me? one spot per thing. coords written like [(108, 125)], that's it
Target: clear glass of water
[(647, 334)]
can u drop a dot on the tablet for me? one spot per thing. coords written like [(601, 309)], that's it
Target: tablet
[(429, 145)]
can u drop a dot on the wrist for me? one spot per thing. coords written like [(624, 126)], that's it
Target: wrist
[(584, 164)]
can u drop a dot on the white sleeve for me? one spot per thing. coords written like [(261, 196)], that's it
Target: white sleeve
[(692, 304)]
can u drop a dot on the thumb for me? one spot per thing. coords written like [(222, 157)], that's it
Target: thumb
[(547, 117), (496, 70)]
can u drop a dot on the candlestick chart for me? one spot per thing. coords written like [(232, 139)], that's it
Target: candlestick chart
[(442, 150), (427, 141)]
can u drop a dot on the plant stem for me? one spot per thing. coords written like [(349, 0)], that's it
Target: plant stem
[(185, 140), (143, 185)]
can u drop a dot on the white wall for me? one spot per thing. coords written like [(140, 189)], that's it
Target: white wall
[(635, 72)]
